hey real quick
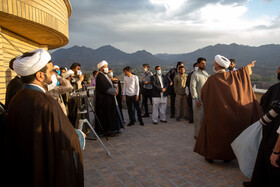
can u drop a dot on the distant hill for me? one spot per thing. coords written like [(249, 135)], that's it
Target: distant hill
[(267, 57), (89, 58)]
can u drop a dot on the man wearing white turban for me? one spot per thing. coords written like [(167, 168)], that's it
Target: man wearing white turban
[(229, 106), (106, 105), (40, 141)]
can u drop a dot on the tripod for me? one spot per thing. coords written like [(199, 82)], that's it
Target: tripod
[(84, 120)]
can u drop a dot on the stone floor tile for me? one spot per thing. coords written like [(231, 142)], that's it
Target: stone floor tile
[(155, 155)]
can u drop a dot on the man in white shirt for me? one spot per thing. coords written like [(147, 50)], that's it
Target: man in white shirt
[(198, 79), (131, 94)]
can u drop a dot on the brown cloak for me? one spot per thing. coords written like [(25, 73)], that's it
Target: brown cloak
[(229, 106), (41, 145)]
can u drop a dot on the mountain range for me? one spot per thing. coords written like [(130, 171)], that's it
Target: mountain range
[(89, 58), (267, 57)]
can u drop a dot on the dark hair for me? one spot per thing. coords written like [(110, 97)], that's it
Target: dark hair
[(11, 63), (200, 59), (127, 68), (157, 67), (146, 65), (232, 60), (74, 65), (179, 64), (62, 68), (194, 64), (30, 78), (181, 67), (94, 72)]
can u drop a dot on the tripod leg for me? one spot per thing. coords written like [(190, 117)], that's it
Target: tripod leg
[(81, 125), (92, 108), (99, 140)]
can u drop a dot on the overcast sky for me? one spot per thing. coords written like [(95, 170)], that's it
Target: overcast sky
[(173, 26)]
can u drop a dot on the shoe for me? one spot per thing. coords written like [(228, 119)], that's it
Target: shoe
[(145, 115), (155, 123), (130, 124), (172, 116), (177, 119), (163, 121), (141, 123), (247, 184), (227, 161), (209, 160)]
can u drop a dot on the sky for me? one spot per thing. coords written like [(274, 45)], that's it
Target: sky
[(173, 26)]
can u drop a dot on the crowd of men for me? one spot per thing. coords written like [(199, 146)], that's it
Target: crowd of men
[(42, 146)]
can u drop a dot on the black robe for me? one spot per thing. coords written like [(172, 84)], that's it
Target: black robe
[(264, 173), (41, 146), (106, 108), (13, 87)]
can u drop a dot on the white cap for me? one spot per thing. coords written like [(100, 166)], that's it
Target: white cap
[(29, 65)]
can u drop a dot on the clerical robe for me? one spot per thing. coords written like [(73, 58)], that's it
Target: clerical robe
[(106, 106), (41, 145), (13, 87), (264, 173), (229, 106)]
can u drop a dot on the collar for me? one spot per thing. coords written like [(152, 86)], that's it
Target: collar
[(221, 71), (34, 87)]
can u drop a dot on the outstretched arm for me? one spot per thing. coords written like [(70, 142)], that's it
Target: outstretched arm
[(252, 64)]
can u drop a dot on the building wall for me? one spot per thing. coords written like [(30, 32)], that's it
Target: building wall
[(26, 25), (7, 52), (42, 21)]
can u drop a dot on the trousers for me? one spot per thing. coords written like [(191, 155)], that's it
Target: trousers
[(129, 101), (147, 94), (181, 102), (159, 104), (198, 116)]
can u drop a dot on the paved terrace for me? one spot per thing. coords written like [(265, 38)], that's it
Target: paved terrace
[(155, 155)]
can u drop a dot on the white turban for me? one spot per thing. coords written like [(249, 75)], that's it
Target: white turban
[(101, 64), (68, 73), (31, 64), (222, 61)]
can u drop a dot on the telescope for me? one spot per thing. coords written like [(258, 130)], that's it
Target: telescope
[(84, 92)]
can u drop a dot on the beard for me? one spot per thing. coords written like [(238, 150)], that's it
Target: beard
[(202, 68), (230, 68)]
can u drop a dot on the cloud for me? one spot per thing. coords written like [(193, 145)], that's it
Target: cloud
[(171, 26)]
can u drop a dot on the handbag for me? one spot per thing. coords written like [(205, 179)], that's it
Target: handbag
[(246, 146)]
